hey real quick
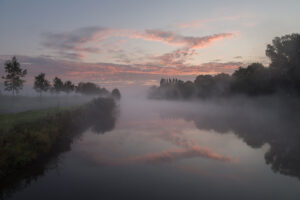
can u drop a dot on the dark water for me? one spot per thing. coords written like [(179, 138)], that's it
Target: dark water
[(179, 150)]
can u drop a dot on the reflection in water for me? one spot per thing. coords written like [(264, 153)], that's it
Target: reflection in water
[(24, 178), (175, 146), (178, 150), (257, 123), (177, 154)]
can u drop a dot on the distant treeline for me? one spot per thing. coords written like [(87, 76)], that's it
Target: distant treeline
[(58, 86), (14, 80), (281, 76)]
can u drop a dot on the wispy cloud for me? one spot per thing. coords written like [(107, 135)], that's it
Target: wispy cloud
[(176, 39), (77, 44), (188, 45), (110, 73)]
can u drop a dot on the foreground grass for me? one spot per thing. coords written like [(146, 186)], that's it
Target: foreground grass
[(29, 136), (8, 121), (16, 104)]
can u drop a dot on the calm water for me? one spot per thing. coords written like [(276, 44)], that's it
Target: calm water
[(179, 150)]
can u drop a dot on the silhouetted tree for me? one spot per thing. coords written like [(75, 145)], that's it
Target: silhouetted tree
[(41, 84), (116, 93), (253, 80), (13, 80), (68, 87), (222, 84), (58, 85), (188, 89), (284, 53), (283, 75), (90, 89), (204, 85)]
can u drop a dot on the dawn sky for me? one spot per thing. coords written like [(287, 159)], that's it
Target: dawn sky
[(138, 42)]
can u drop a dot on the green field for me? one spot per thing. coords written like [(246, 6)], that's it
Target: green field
[(15, 104), (9, 120), (28, 136)]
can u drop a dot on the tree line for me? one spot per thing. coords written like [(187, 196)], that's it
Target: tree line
[(14, 80), (281, 76)]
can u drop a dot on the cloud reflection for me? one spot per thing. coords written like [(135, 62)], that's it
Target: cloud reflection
[(178, 154)]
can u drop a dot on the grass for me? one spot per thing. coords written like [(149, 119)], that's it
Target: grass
[(16, 104), (10, 120), (29, 136)]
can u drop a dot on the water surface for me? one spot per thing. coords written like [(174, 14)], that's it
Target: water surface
[(179, 150)]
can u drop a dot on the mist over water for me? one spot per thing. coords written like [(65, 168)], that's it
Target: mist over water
[(149, 100), (160, 149)]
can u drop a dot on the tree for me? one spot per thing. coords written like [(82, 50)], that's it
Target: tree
[(89, 88), (41, 84), (204, 85), (116, 93), (68, 87), (58, 85), (284, 53), (253, 80), (13, 80), (188, 89), (222, 84)]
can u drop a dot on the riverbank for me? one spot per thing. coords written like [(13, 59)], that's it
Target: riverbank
[(17, 104), (30, 136)]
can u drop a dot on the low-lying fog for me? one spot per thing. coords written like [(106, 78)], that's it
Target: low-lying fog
[(183, 150), (271, 120)]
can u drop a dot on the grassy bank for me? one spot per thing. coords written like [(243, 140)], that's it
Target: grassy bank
[(29, 136), (9, 120), (16, 104)]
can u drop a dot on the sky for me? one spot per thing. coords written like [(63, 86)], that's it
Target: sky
[(137, 42)]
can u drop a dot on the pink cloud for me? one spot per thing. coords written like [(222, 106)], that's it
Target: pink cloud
[(180, 56), (166, 156), (178, 154), (81, 42), (110, 72), (172, 132), (186, 41)]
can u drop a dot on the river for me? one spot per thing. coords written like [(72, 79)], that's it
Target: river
[(177, 150)]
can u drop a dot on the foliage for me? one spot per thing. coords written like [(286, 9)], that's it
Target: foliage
[(12, 104), (284, 53), (41, 84), (58, 85), (253, 80), (282, 76), (28, 137), (13, 80), (9, 120), (68, 87), (116, 93), (89, 88)]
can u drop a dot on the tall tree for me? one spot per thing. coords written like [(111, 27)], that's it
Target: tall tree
[(284, 53), (69, 87), (41, 84), (58, 85), (89, 88), (13, 80), (116, 93)]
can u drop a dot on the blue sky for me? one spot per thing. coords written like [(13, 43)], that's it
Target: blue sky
[(130, 41)]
